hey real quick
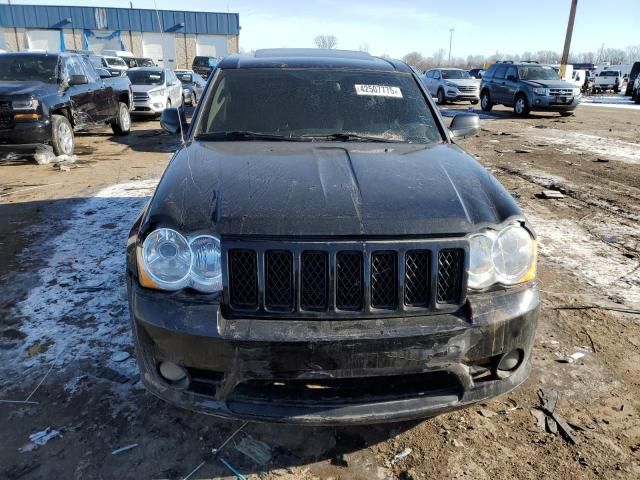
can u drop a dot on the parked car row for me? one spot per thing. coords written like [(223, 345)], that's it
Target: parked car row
[(448, 84)]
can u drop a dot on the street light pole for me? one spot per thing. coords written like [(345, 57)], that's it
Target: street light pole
[(450, 40), (567, 38)]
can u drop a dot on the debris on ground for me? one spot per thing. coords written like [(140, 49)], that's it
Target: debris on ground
[(256, 450), (574, 357), (487, 413), (120, 356), (555, 423), (601, 160), (549, 194), (124, 449), (44, 155), (523, 150), (402, 455), (40, 438), (232, 469)]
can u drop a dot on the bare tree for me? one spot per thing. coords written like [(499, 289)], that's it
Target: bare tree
[(364, 47), (325, 41)]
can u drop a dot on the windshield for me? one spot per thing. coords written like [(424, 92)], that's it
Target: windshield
[(145, 77), (455, 74), (610, 73), (309, 103), (185, 77), (22, 68), (115, 61), (202, 61), (537, 73), (145, 62)]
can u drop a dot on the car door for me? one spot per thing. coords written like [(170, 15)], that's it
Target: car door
[(510, 85), (103, 94), (498, 84), (83, 107)]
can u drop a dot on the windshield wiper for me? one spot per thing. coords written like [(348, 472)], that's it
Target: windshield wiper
[(241, 135), (351, 137)]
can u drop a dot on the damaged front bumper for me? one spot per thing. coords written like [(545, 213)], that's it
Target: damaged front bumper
[(333, 372)]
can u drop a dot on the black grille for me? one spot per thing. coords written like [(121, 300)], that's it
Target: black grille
[(279, 280), (384, 280), (243, 278), (349, 291), (315, 281), (6, 117), (346, 279), (417, 276), (449, 275)]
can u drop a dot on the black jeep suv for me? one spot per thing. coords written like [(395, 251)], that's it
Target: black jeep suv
[(527, 86), (319, 250)]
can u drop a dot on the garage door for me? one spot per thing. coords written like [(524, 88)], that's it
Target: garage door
[(43, 40), (211, 45), (161, 48)]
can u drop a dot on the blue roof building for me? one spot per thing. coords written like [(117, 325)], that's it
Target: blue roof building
[(171, 38)]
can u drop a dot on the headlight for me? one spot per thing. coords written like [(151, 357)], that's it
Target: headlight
[(168, 261), (25, 104), (507, 257), (541, 91), (156, 93), (451, 85)]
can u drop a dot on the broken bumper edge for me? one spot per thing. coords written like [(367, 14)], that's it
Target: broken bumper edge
[(449, 344)]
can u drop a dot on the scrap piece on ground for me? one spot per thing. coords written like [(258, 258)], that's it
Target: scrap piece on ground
[(256, 450), (551, 194)]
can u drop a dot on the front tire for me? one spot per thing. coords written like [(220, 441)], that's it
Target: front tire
[(521, 106), (121, 126), (62, 139), (441, 97), (485, 102)]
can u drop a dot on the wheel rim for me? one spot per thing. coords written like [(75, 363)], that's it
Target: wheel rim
[(65, 138), (485, 101), (125, 121), (520, 105)]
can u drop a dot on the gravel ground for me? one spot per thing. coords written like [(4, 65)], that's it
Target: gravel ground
[(65, 342)]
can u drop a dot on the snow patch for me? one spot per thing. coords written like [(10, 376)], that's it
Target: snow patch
[(570, 246), (576, 143), (79, 308)]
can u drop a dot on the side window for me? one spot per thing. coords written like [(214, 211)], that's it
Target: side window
[(512, 72), (72, 67), (91, 73), (500, 72)]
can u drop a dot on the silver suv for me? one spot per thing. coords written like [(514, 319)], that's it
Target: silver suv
[(448, 84)]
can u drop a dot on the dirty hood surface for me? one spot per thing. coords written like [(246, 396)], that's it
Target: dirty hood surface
[(8, 89), (306, 189)]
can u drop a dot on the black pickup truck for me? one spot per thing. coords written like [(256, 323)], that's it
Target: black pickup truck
[(44, 97)]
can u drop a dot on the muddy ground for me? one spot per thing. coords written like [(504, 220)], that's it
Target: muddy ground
[(63, 319)]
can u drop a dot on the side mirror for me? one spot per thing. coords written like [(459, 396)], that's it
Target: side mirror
[(172, 119), (103, 73), (78, 80), (465, 125)]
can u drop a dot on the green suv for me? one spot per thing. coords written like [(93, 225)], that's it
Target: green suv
[(527, 86)]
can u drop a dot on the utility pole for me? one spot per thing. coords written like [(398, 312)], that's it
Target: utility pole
[(450, 40), (567, 38)]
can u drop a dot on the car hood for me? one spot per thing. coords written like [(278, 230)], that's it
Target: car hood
[(26, 88), (305, 189), (550, 83), (465, 82), (146, 88)]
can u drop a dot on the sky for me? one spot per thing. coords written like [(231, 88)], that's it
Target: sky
[(397, 27)]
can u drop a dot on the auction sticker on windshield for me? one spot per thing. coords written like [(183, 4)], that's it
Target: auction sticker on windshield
[(378, 91)]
